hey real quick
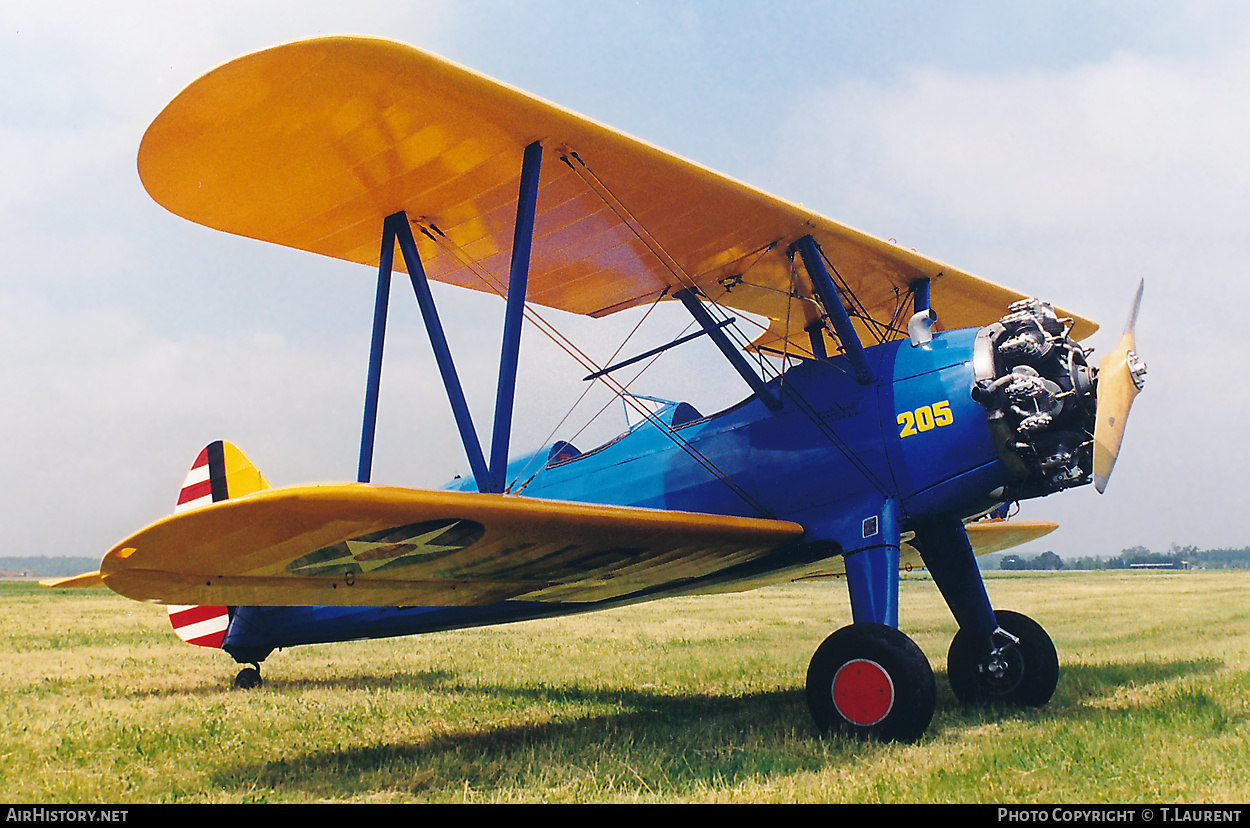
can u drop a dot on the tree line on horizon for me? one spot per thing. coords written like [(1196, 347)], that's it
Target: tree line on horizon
[(1177, 557), (38, 566)]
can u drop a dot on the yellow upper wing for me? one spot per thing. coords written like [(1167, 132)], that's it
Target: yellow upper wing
[(310, 145)]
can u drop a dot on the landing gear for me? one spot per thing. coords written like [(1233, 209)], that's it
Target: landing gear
[(871, 681), (248, 678), (1017, 665)]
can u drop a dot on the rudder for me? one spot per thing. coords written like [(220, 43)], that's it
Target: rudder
[(220, 472)]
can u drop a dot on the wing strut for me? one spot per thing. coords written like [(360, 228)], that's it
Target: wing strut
[(397, 229), (832, 302), (658, 350), (730, 351), (920, 296), (518, 276), (380, 303), (816, 332)]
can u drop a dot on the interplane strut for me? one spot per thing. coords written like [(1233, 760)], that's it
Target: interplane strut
[(396, 229)]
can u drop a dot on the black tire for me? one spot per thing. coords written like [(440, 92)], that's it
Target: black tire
[(1025, 676), (871, 681), (248, 678)]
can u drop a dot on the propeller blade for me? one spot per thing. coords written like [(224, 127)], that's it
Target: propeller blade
[(1121, 375)]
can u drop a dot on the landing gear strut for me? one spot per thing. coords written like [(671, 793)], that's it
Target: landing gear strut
[(1016, 665), (871, 681), (997, 655)]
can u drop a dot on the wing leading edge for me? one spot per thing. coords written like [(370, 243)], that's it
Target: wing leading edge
[(312, 144)]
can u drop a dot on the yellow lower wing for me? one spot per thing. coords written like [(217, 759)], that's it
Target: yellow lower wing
[(992, 536), (214, 556), (362, 545)]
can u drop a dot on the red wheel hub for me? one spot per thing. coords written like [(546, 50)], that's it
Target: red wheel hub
[(863, 692)]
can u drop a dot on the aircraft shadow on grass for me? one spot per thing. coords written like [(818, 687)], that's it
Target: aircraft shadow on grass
[(733, 725), (1078, 683)]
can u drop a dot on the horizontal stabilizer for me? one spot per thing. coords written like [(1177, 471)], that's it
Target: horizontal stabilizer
[(86, 579)]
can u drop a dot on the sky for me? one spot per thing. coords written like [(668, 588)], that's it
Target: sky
[(1063, 149)]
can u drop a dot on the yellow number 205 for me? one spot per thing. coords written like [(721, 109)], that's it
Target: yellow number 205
[(925, 418)]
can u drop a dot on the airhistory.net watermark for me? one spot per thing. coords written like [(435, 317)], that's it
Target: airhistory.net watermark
[(44, 813)]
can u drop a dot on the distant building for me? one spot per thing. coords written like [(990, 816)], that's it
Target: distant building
[(1164, 565)]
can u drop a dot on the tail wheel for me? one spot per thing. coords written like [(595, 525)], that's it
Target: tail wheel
[(248, 678), (1019, 668), (871, 681)]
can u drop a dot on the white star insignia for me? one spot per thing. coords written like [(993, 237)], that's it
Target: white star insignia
[(372, 555)]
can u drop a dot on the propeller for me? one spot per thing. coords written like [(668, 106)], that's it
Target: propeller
[(1121, 375)]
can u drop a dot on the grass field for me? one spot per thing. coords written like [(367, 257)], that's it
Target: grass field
[(686, 700)]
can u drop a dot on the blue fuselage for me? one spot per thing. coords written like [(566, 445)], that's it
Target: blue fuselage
[(833, 444), (829, 457)]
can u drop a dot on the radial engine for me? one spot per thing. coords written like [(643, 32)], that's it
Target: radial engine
[(1039, 395)]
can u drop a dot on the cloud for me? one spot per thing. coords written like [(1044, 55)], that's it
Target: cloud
[(1130, 144), (104, 415), (1072, 183)]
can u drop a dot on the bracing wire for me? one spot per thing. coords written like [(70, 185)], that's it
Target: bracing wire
[(513, 484), (861, 312), (588, 176), (586, 362)]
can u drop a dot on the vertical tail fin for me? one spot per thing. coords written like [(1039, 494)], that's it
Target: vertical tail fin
[(220, 472)]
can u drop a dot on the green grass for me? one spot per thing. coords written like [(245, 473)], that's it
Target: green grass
[(692, 700)]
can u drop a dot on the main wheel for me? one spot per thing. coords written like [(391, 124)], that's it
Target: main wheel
[(871, 681), (1023, 673)]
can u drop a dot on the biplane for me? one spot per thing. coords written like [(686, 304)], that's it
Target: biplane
[(894, 406)]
